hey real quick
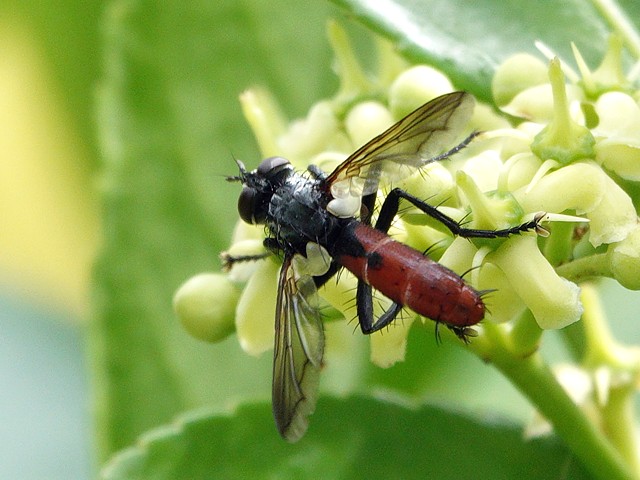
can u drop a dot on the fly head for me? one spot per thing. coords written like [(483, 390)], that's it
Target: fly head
[(259, 186)]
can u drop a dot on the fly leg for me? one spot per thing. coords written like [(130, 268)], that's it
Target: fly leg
[(392, 202), (320, 280), (229, 261), (271, 246), (366, 318), (364, 295), (387, 213)]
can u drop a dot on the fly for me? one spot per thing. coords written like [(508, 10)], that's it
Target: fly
[(318, 208)]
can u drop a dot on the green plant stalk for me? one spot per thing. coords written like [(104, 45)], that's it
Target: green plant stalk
[(526, 334), (620, 23), (558, 246), (586, 268), (536, 381), (618, 417), (574, 340), (617, 409)]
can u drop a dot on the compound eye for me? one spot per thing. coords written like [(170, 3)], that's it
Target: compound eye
[(272, 165), (247, 204)]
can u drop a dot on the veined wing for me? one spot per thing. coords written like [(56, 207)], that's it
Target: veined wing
[(297, 356), (411, 143)]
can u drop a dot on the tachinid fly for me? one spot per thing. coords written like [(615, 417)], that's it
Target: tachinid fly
[(322, 209)]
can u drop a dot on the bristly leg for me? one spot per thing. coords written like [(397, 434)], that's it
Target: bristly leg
[(392, 203), (229, 260)]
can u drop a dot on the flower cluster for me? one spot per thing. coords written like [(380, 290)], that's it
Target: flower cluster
[(566, 149)]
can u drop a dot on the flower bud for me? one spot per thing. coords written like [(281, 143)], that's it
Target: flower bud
[(459, 255), (585, 188), (434, 182), (366, 120), (414, 87), (553, 300), (624, 260), (522, 168), (503, 303), (516, 74), (318, 132), (491, 211), (534, 104), (563, 139), (618, 144), (609, 75), (256, 310), (263, 114), (205, 305)]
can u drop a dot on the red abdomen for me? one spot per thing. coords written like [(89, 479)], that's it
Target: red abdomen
[(412, 279)]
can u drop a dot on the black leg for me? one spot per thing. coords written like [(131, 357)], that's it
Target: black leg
[(320, 280), (271, 246), (392, 202), (364, 301), (454, 150), (366, 209), (385, 218), (229, 260), (364, 296)]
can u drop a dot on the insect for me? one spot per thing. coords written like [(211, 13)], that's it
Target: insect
[(316, 208)]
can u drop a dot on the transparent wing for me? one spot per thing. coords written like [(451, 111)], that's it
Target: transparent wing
[(297, 356), (409, 144)]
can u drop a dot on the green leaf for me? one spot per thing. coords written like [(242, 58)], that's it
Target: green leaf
[(469, 39), (170, 125), (352, 438)]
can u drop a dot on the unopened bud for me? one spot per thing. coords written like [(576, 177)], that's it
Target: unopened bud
[(205, 305)]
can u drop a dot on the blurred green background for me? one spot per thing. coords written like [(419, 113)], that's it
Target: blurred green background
[(52, 61)]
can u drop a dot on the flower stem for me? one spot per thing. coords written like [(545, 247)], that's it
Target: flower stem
[(536, 381), (353, 80), (621, 23), (603, 354), (581, 269), (526, 334), (618, 417)]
